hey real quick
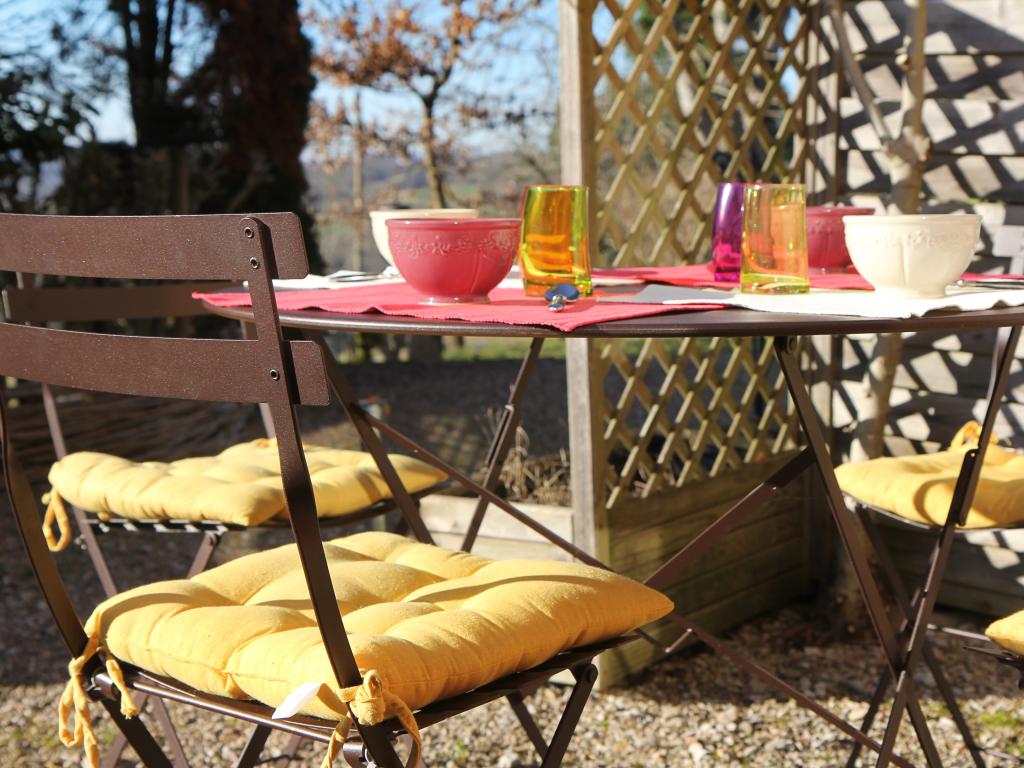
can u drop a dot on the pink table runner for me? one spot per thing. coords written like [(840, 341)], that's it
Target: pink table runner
[(508, 305)]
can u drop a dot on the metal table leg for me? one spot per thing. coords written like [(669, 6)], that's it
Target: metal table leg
[(815, 454), (905, 605), (360, 419), (786, 351), (502, 441), (368, 426)]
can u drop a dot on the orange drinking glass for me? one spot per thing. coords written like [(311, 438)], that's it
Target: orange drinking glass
[(554, 247), (774, 239)]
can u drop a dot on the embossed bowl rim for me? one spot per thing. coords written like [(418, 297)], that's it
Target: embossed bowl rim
[(882, 219), (472, 224)]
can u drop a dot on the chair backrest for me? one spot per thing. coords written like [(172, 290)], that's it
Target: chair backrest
[(266, 369)]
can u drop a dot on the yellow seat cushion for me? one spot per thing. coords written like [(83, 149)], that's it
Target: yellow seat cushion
[(240, 485), (431, 622), (1008, 632), (920, 488)]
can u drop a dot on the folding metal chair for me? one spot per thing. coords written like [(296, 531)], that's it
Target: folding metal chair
[(914, 611), (268, 369), (64, 305)]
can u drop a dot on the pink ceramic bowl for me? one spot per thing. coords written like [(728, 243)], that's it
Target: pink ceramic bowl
[(453, 261), (826, 240)]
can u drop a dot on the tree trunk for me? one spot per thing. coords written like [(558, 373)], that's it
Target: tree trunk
[(358, 152), (435, 180), (358, 202)]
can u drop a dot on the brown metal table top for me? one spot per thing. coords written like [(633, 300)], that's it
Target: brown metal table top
[(719, 322)]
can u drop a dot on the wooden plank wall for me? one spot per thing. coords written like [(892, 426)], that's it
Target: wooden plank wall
[(974, 116)]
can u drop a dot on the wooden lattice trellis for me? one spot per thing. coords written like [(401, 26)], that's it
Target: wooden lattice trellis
[(681, 415), (679, 95), (682, 100)]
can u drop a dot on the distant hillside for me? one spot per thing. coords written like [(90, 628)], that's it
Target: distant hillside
[(492, 183)]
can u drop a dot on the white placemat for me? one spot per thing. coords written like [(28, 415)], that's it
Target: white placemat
[(852, 303)]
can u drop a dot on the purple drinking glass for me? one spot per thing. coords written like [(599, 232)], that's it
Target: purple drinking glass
[(727, 232)]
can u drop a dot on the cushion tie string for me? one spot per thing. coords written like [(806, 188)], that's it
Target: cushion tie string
[(56, 513), (75, 701), (370, 703), (969, 435)]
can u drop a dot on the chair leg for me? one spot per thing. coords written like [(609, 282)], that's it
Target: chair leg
[(138, 736), (204, 553), (117, 746), (378, 747), (963, 496), (254, 747), (906, 607), (586, 676), (289, 754), (869, 717), (528, 723)]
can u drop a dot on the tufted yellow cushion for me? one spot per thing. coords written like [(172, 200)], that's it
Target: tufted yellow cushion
[(432, 623), (920, 488), (240, 485), (1008, 632)]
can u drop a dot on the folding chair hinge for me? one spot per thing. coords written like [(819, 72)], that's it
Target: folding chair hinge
[(356, 756)]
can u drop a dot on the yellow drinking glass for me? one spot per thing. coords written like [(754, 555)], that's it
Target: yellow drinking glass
[(554, 247), (774, 239)]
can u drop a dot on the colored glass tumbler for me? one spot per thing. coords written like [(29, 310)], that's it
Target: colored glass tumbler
[(774, 239), (826, 237), (727, 232), (554, 246)]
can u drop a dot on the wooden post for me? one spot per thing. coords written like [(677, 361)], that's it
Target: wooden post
[(577, 152)]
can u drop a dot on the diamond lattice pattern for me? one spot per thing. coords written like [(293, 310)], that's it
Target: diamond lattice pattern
[(688, 93)]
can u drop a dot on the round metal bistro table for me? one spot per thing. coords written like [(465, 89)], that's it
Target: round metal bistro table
[(902, 650)]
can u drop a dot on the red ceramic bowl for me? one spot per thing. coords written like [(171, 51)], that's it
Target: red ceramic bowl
[(453, 261), (826, 239)]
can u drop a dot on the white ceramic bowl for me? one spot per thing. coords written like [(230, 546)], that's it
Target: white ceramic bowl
[(912, 256), (379, 219)]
